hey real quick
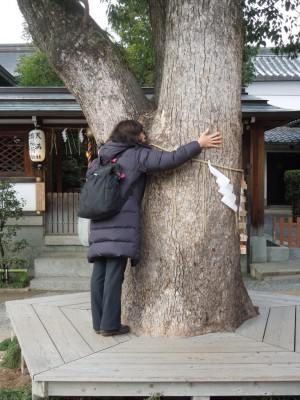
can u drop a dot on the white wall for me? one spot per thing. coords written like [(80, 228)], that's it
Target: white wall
[(284, 94)]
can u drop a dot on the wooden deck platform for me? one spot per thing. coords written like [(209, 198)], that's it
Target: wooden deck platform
[(66, 358)]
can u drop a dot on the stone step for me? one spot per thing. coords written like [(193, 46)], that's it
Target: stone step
[(57, 264), (60, 283), (275, 269)]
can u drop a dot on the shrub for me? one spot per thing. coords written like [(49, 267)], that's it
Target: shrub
[(12, 251), (16, 394), (292, 191)]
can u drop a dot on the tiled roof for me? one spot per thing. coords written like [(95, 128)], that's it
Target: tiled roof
[(269, 67), (256, 106), (24, 101), (38, 100), (6, 79), (283, 134), (11, 53)]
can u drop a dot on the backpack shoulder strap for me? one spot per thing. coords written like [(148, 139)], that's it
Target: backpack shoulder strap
[(103, 161)]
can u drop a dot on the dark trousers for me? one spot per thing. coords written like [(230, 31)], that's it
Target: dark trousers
[(106, 289)]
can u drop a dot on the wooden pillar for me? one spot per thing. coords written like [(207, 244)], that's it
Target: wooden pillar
[(257, 160), (49, 151), (59, 159)]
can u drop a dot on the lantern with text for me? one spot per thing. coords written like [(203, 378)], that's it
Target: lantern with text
[(37, 146)]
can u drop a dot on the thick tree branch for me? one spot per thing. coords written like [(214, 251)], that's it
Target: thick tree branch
[(158, 22), (87, 61)]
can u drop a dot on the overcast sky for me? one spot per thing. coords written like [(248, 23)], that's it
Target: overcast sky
[(11, 19)]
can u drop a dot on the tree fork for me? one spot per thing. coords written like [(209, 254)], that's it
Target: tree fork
[(87, 61)]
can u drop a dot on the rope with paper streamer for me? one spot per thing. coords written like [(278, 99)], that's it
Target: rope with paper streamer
[(228, 196), (225, 187)]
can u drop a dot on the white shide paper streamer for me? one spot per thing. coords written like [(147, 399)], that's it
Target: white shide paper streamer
[(225, 188)]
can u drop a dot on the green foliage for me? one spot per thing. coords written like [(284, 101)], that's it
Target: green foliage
[(292, 190), (12, 251), (130, 20), (35, 70), (12, 356), (16, 280), (16, 394), (274, 20), (263, 20), (248, 71), (5, 344)]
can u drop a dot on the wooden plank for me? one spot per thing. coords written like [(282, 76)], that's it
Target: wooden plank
[(55, 214), (290, 232), (90, 372), (59, 213), (40, 196), (146, 389), (114, 355), (71, 213), (64, 212), (200, 398), (215, 358), (37, 347), (281, 231), (263, 299), (75, 208), (255, 328), (68, 341), (82, 321), (63, 300), (280, 330), (49, 214), (227, 344), (82, 306)]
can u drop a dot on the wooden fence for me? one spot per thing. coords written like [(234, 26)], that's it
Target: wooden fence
[(61, 213), (286, 232)]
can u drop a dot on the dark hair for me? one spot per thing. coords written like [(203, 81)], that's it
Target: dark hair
[(127, 131)]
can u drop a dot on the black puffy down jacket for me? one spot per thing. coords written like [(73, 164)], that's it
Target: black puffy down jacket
[(119, 236)]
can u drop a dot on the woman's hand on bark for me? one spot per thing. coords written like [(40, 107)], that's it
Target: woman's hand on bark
[(208, 140)]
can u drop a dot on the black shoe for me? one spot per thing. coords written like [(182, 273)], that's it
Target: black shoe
[(121, 331)]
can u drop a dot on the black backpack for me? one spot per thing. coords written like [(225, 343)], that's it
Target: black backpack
[(100, 197)]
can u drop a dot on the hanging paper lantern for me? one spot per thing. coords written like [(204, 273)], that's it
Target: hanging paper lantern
[(37, 145)]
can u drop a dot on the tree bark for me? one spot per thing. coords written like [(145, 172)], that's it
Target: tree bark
[(188, 281)]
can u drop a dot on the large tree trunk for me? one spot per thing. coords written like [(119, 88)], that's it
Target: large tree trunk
[(188, 281)]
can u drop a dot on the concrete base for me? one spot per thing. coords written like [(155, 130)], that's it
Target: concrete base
[(280, 253), (294, 253), (243, 263), (62, 240), (66, 271), (259, 249)]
